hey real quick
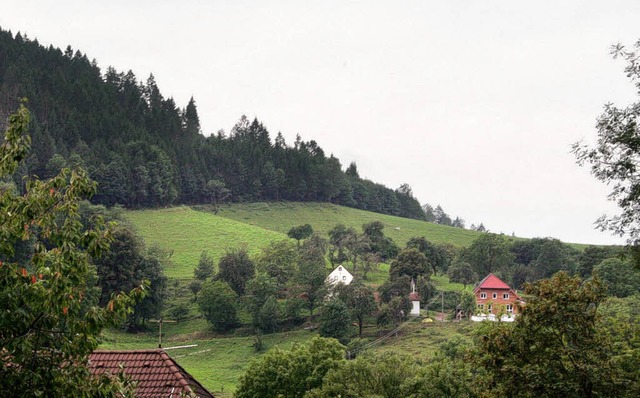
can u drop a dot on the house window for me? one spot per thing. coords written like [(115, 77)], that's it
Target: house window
[(483, 295), (344, 278), (510, 308), (480, 306), (490, 308), (495, 295), (505, 296), (339, 268)]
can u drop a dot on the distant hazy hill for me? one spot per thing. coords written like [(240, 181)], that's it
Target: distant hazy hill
[(146, 151)]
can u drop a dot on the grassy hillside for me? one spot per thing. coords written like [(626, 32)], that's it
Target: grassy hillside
[(187, 233), (217, 363), (281, 216)]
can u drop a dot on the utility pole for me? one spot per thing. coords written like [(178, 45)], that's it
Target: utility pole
[(160, 322)]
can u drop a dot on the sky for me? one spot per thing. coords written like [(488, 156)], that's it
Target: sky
[(474, 104)]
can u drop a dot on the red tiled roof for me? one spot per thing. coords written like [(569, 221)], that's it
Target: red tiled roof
[(156, 374), (491, 282), (413, 296)]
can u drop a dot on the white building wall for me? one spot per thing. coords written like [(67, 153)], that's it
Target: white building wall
[(415, 308), (340, 275)]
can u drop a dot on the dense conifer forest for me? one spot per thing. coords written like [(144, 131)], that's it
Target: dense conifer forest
[(146, 151)]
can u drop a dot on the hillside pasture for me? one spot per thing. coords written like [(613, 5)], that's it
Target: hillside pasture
[(281, 216), (187, 233), (217, 363)]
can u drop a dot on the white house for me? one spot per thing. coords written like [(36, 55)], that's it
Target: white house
[(415, 300), (340, 275)]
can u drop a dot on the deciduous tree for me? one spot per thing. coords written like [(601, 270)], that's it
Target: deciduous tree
[(46, 331), (489, 253), (335, 320), (236, 268), (300, 232), (310, 279), (291, 373), (556, 347), (205, 268), (461, 272), (437, 257), (410, 262), (619, 277), (218, 303), (359, 300), (615, 158)]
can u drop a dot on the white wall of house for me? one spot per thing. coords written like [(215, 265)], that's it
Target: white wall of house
[(340, 275), (415, 308)]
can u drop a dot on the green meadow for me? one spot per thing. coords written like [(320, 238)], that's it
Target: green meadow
[(187, 233), (281, 216), (216, 362)]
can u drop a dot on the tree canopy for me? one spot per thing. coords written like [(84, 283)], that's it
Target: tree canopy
[(144, 150), (557, 346), (291, 373), (615, 158), (46, 330)]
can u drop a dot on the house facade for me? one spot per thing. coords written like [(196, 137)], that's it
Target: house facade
[(494, 297), (340, 275)]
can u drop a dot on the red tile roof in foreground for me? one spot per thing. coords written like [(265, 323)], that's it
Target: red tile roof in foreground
[(156, 374), (491, 282)]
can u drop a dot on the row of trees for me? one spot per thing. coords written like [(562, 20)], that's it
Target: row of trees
[(521, 261), (273, 288), (566, 342), (286, 278), (145, 151)]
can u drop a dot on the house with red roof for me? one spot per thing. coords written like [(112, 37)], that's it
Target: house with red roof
[(494, 297), (153, 371)]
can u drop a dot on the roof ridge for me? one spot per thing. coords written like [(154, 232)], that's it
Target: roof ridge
[(481, 282), (188, 378), (173, 366), (491, 281)]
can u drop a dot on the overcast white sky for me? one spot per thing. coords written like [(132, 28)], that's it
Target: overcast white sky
[(475, 104)]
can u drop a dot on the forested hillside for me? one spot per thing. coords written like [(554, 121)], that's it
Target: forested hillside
[(146, 151)]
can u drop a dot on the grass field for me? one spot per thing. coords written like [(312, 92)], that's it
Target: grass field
[(187, 233), (217, 363), (422, 341), (281, 216)]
